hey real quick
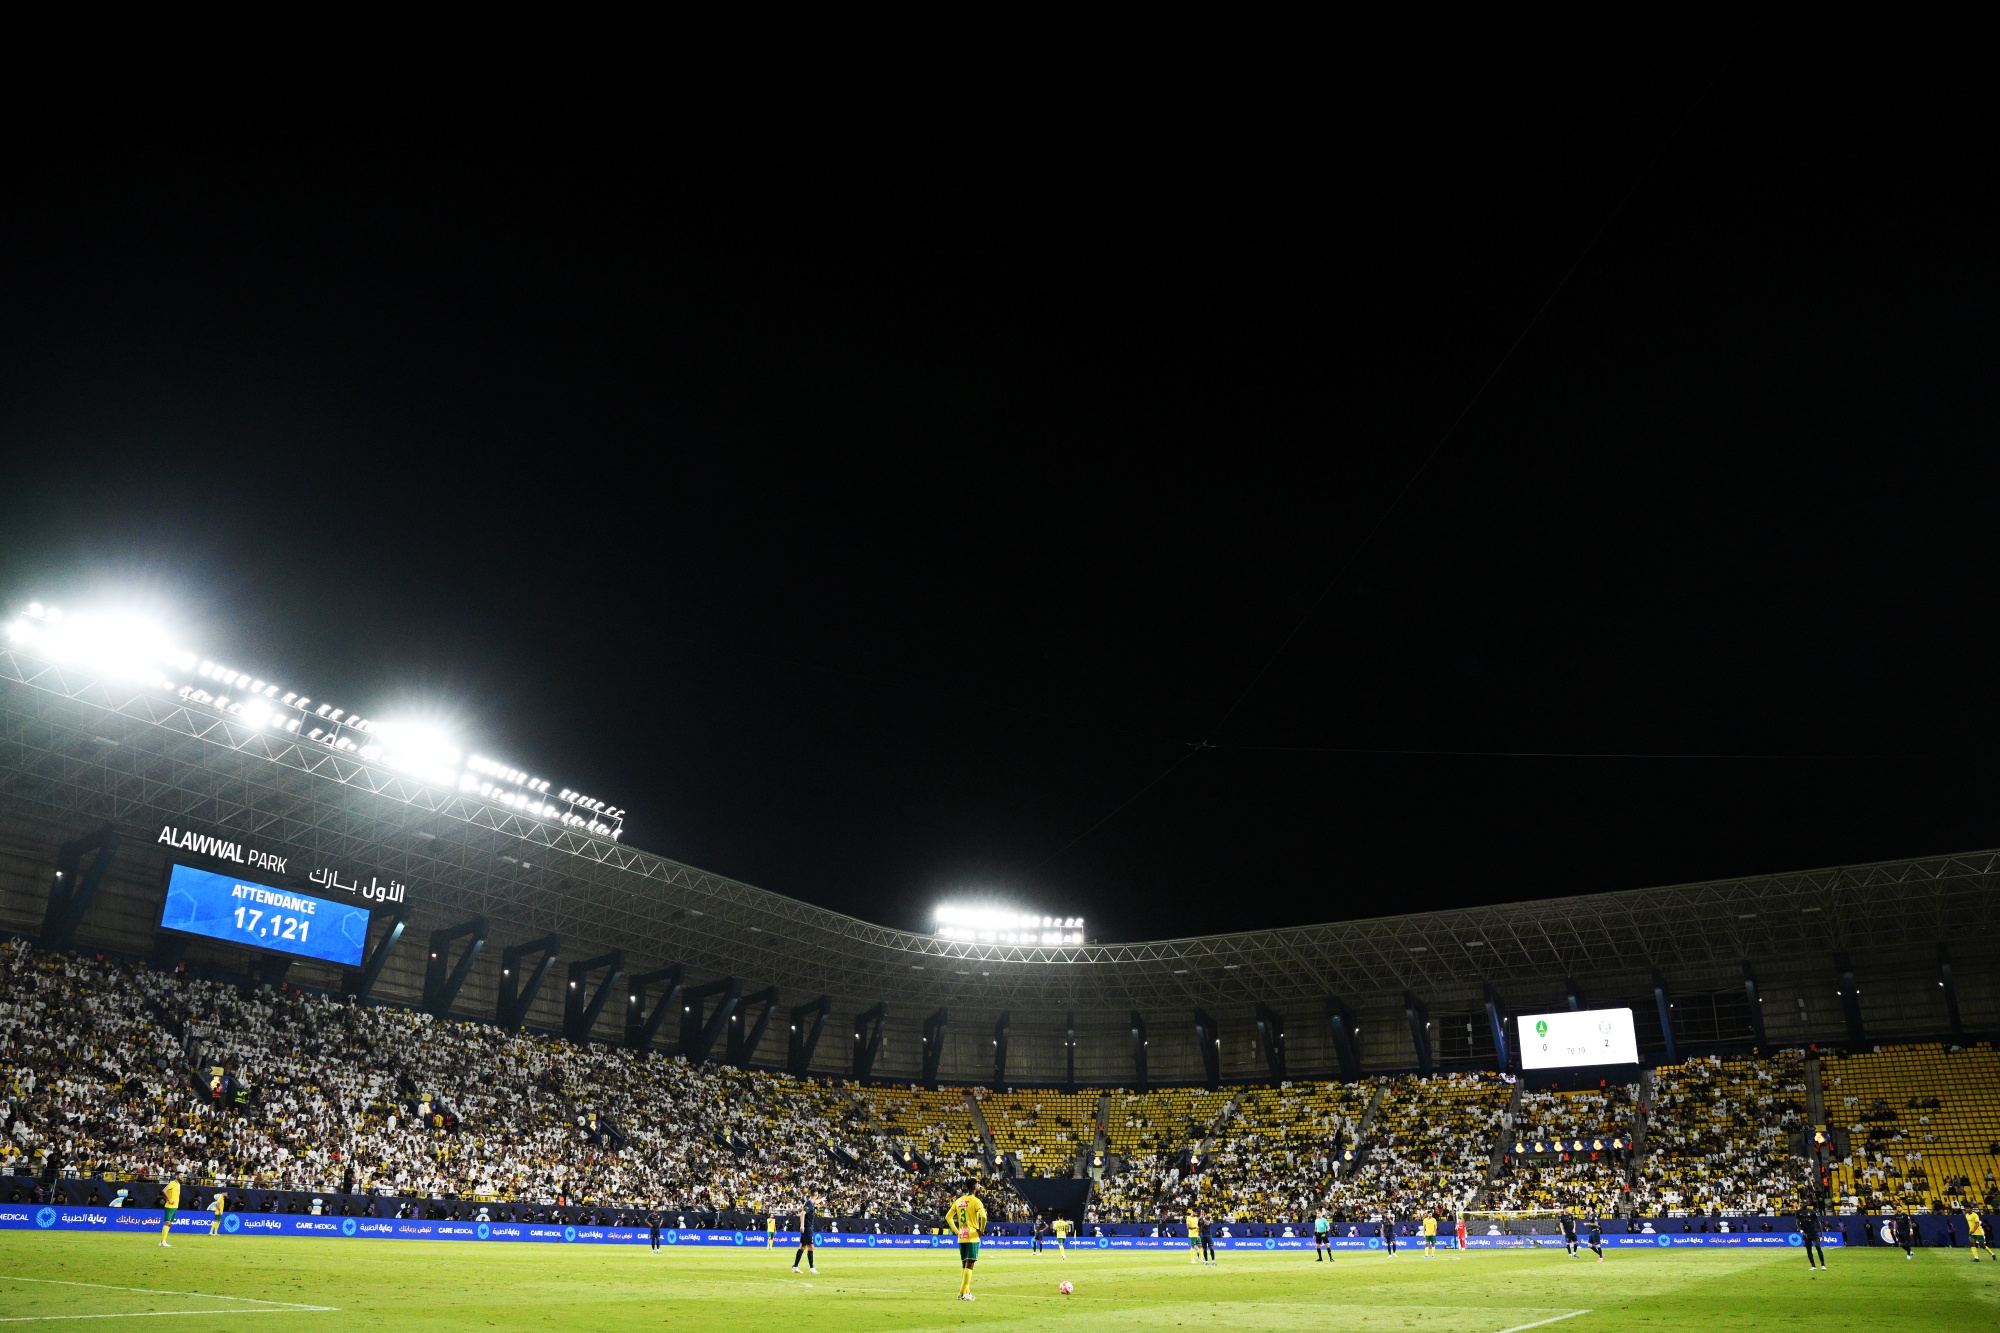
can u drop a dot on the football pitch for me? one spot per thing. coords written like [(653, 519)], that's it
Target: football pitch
[(320, 1286)]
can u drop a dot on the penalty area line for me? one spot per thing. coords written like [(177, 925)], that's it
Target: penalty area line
[(1555, 1319), (148, 1314), (277, 1307)]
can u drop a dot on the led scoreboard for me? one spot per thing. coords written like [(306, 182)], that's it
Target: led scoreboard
[(260, 916), (1573, 1038)]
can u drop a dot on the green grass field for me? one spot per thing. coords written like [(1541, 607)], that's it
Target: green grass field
[(376, 1285)]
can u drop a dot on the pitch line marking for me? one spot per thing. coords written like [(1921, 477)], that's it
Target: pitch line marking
[(278, 1306), (145, 1314), (1539, 1322)]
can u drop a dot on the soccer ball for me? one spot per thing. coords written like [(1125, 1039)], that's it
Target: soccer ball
[(1065, 1288)]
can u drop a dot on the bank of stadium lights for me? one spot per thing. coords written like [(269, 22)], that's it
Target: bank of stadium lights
[(999, 925), (130, 648)]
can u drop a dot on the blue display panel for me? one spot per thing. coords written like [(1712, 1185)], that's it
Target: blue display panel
[(243, 911)]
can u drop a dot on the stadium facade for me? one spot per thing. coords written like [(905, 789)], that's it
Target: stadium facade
[(104, 783)]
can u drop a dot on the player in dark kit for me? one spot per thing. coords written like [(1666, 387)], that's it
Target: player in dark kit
[(1597, 1238), (1906, 1233), (653, 1228), (808, 1227), (1041, 1225), (1569, 1233), (1808, 1220), (1388, 1233), (1207, 1240)]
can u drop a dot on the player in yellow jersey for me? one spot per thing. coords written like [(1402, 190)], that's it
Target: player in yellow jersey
[(1194, 1238), (170, 1199), (1062, 1229), (1430, 1234), (1975, 1235), (215, 1208), (967, 1218)]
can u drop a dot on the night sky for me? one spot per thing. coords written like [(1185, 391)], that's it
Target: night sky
[(1428, 476)]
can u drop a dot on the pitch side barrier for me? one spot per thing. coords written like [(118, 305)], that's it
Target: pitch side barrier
[(146, 1221)]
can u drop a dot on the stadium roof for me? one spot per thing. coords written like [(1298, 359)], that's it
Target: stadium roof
[(76, 743)]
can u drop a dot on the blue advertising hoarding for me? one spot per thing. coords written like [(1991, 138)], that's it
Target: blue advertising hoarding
[(65, 1217), (262, 916)]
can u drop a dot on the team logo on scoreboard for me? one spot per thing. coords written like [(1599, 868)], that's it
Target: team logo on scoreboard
[(1541, 1027)]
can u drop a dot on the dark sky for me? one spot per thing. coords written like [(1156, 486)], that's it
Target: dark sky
[(881, 489)]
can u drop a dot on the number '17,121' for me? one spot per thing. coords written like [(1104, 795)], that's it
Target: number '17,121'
[(281, 927)]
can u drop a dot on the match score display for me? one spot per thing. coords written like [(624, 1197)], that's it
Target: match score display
[(1573, 1037), (260, 916)]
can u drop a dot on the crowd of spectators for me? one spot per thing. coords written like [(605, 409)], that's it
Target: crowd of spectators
[(1542, 1166), (1428, 1147), (121, 1071), (1717, 1137)]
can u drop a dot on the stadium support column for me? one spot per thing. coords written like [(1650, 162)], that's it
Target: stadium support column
[(744, 1035), (934, 1046), (1000, 1050), (1346, 1038), (868, 1027), (1850, 999), (1573, 993), (1419, 1015), (641, 1028), (804, 1039), (1756, 1003), (1496, 1019), (511, 1010), (580, 1007), (1069, 1051), (167, 950), (1209, 1039), (1949, 985), (699, 1030), (1663, 999), (1139, 1082), (359, 981), (1271, 1039), (75, 884), (443, 979)]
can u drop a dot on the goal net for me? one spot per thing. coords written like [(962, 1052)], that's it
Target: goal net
[(1544, 1225)]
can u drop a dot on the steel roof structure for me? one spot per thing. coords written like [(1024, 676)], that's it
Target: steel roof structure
[(74, 742)]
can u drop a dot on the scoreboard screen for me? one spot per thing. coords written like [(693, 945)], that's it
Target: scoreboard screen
[(1570, 1038), (261, 916)]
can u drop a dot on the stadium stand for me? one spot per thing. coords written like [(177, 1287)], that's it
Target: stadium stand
[(1716, 1136), (1429, 1146), (1923, 1126), (116, 1072), (1046, 1129), (1594, 1179), (105, 1072), (1273, 1156)]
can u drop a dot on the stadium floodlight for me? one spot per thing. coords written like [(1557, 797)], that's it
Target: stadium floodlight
[(985, 924), (118, 646)]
